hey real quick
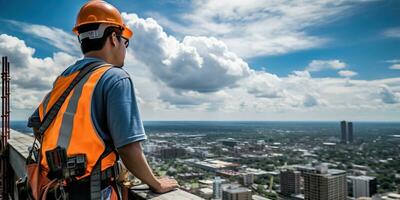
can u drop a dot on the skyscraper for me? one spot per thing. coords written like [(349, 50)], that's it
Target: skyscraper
[(350, 132), (346, 132), (290, 182), (325, 184), (343, 128), (217, 188)]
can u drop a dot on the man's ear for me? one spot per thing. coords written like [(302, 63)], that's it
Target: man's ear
[(113, 39)]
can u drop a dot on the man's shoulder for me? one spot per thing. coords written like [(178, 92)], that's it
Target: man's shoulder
[(115, 74)]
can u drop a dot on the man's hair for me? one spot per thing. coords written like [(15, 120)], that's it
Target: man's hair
[(88, 45)]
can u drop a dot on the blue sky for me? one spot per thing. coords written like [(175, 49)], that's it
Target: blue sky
[(357, 36), (351, 43)]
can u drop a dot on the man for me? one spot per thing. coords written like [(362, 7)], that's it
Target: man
[(99, 118)]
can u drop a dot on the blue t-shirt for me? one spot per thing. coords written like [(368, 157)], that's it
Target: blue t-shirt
[(114, 108)]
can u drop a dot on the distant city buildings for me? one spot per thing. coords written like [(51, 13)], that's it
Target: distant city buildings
[(214, 165), (229, 142), (324, 183), (236, 193), (172, 152), (248, 179), (217, 188), (346, 132), (362, 186), (290, 182)]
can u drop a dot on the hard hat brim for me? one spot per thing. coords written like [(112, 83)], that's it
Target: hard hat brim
[(127, 32)]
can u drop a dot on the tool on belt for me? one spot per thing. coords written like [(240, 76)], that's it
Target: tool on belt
[(63, 167)]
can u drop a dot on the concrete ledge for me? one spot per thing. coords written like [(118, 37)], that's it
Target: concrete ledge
[(18, 151), (142, 192)]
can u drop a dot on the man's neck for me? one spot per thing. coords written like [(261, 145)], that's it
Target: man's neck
[(99, 55)]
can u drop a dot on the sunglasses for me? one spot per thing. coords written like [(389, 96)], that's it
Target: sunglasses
[(126, 43)]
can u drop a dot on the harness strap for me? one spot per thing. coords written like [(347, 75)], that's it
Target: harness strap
[(95, 181), (96, 175), (49, 117)]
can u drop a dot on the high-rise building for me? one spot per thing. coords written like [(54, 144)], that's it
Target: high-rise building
[(217, 188), (363, 186), (346, 132), (290, 182), (350, 132), (327, 184), (236, 193), (343, 128)]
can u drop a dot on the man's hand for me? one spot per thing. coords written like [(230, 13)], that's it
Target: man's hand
[(165, 185), (135, 161)]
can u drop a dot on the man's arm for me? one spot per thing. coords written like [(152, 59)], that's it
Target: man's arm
[(135, 161)]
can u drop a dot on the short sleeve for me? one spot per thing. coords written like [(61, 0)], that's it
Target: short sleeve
[(123, 117), (34, 119)]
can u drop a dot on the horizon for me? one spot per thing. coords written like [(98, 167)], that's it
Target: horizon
[(314, 61), (294, 121)]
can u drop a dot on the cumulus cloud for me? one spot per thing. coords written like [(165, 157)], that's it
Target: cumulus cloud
[(395, 66), (264, 85), (388, 96), (200, 64), (347, 73), (310, 101), (259, 27), (392, 32), (177, 78), (319, 65), (31, 77)]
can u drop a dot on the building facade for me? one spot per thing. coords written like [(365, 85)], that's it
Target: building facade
[(325, 184), (363, 186), (290, 182), (346, 132), (217, 188), (236, 193)]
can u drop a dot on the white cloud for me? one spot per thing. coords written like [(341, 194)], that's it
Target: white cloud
[(319, 65), (347, 73), (264, 85), (197, 63), (393, 61), (31, 77), (392, 32), (395, 66), (53, 36), (259, 27), (199, 78), (388, 96), (310, 101)]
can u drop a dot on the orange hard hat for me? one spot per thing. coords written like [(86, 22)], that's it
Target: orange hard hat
[(97, 11)]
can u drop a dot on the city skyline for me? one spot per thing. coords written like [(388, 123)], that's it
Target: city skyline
[(273, 61)]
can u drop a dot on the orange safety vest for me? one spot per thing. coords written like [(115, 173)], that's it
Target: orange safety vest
[(73, 127)]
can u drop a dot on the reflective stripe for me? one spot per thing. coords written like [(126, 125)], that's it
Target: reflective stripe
[(68, 118)]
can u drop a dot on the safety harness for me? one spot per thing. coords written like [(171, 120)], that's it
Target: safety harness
[(96, 175)]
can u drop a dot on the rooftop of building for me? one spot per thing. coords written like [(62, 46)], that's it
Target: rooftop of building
[(217, 164), (235, 189), (363, 177)]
